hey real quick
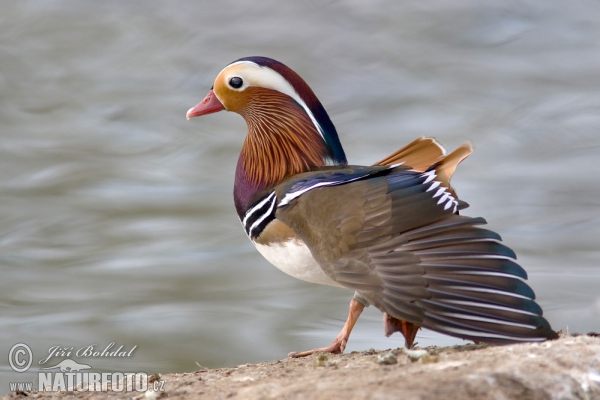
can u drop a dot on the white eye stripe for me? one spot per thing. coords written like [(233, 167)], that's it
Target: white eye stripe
[(259, 76)]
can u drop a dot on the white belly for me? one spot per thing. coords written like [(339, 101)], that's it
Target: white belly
[(295, 259)]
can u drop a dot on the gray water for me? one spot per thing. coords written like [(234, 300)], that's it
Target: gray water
[(116, 214)]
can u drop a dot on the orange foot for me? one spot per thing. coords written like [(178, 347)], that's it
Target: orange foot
[(337, 347), (409, 330), (339, 344)]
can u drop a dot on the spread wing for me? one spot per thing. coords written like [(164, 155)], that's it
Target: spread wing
[(394, 235)]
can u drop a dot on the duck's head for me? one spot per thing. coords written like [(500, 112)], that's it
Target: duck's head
[(286, 122)]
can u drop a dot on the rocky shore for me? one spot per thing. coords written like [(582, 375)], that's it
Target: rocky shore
[(567, 368)]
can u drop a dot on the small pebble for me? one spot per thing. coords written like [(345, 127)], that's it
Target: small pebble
[(243, 379), (151, 395), (429, 359), (322, 361), (414, 355), (387, 358)]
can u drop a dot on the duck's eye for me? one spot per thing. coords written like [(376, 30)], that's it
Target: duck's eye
[(236, 82)]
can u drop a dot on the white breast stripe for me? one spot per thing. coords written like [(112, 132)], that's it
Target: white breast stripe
[(256, 207), (265, 215)]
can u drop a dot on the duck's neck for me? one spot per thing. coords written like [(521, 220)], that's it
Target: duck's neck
[(282, 141)]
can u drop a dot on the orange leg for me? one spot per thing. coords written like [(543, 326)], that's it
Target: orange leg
[(339, 344), (409, 330)]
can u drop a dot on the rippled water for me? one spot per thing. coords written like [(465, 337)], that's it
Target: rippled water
[(116, 215)]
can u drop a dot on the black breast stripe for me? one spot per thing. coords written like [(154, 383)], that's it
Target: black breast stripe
[(259, 215)]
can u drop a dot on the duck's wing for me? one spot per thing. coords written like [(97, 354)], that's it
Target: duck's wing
[(393, 235)]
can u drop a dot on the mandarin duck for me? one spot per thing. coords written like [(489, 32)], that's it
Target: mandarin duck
[(392, 232)]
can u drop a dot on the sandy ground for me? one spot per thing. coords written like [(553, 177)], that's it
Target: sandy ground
[(568, 368)]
